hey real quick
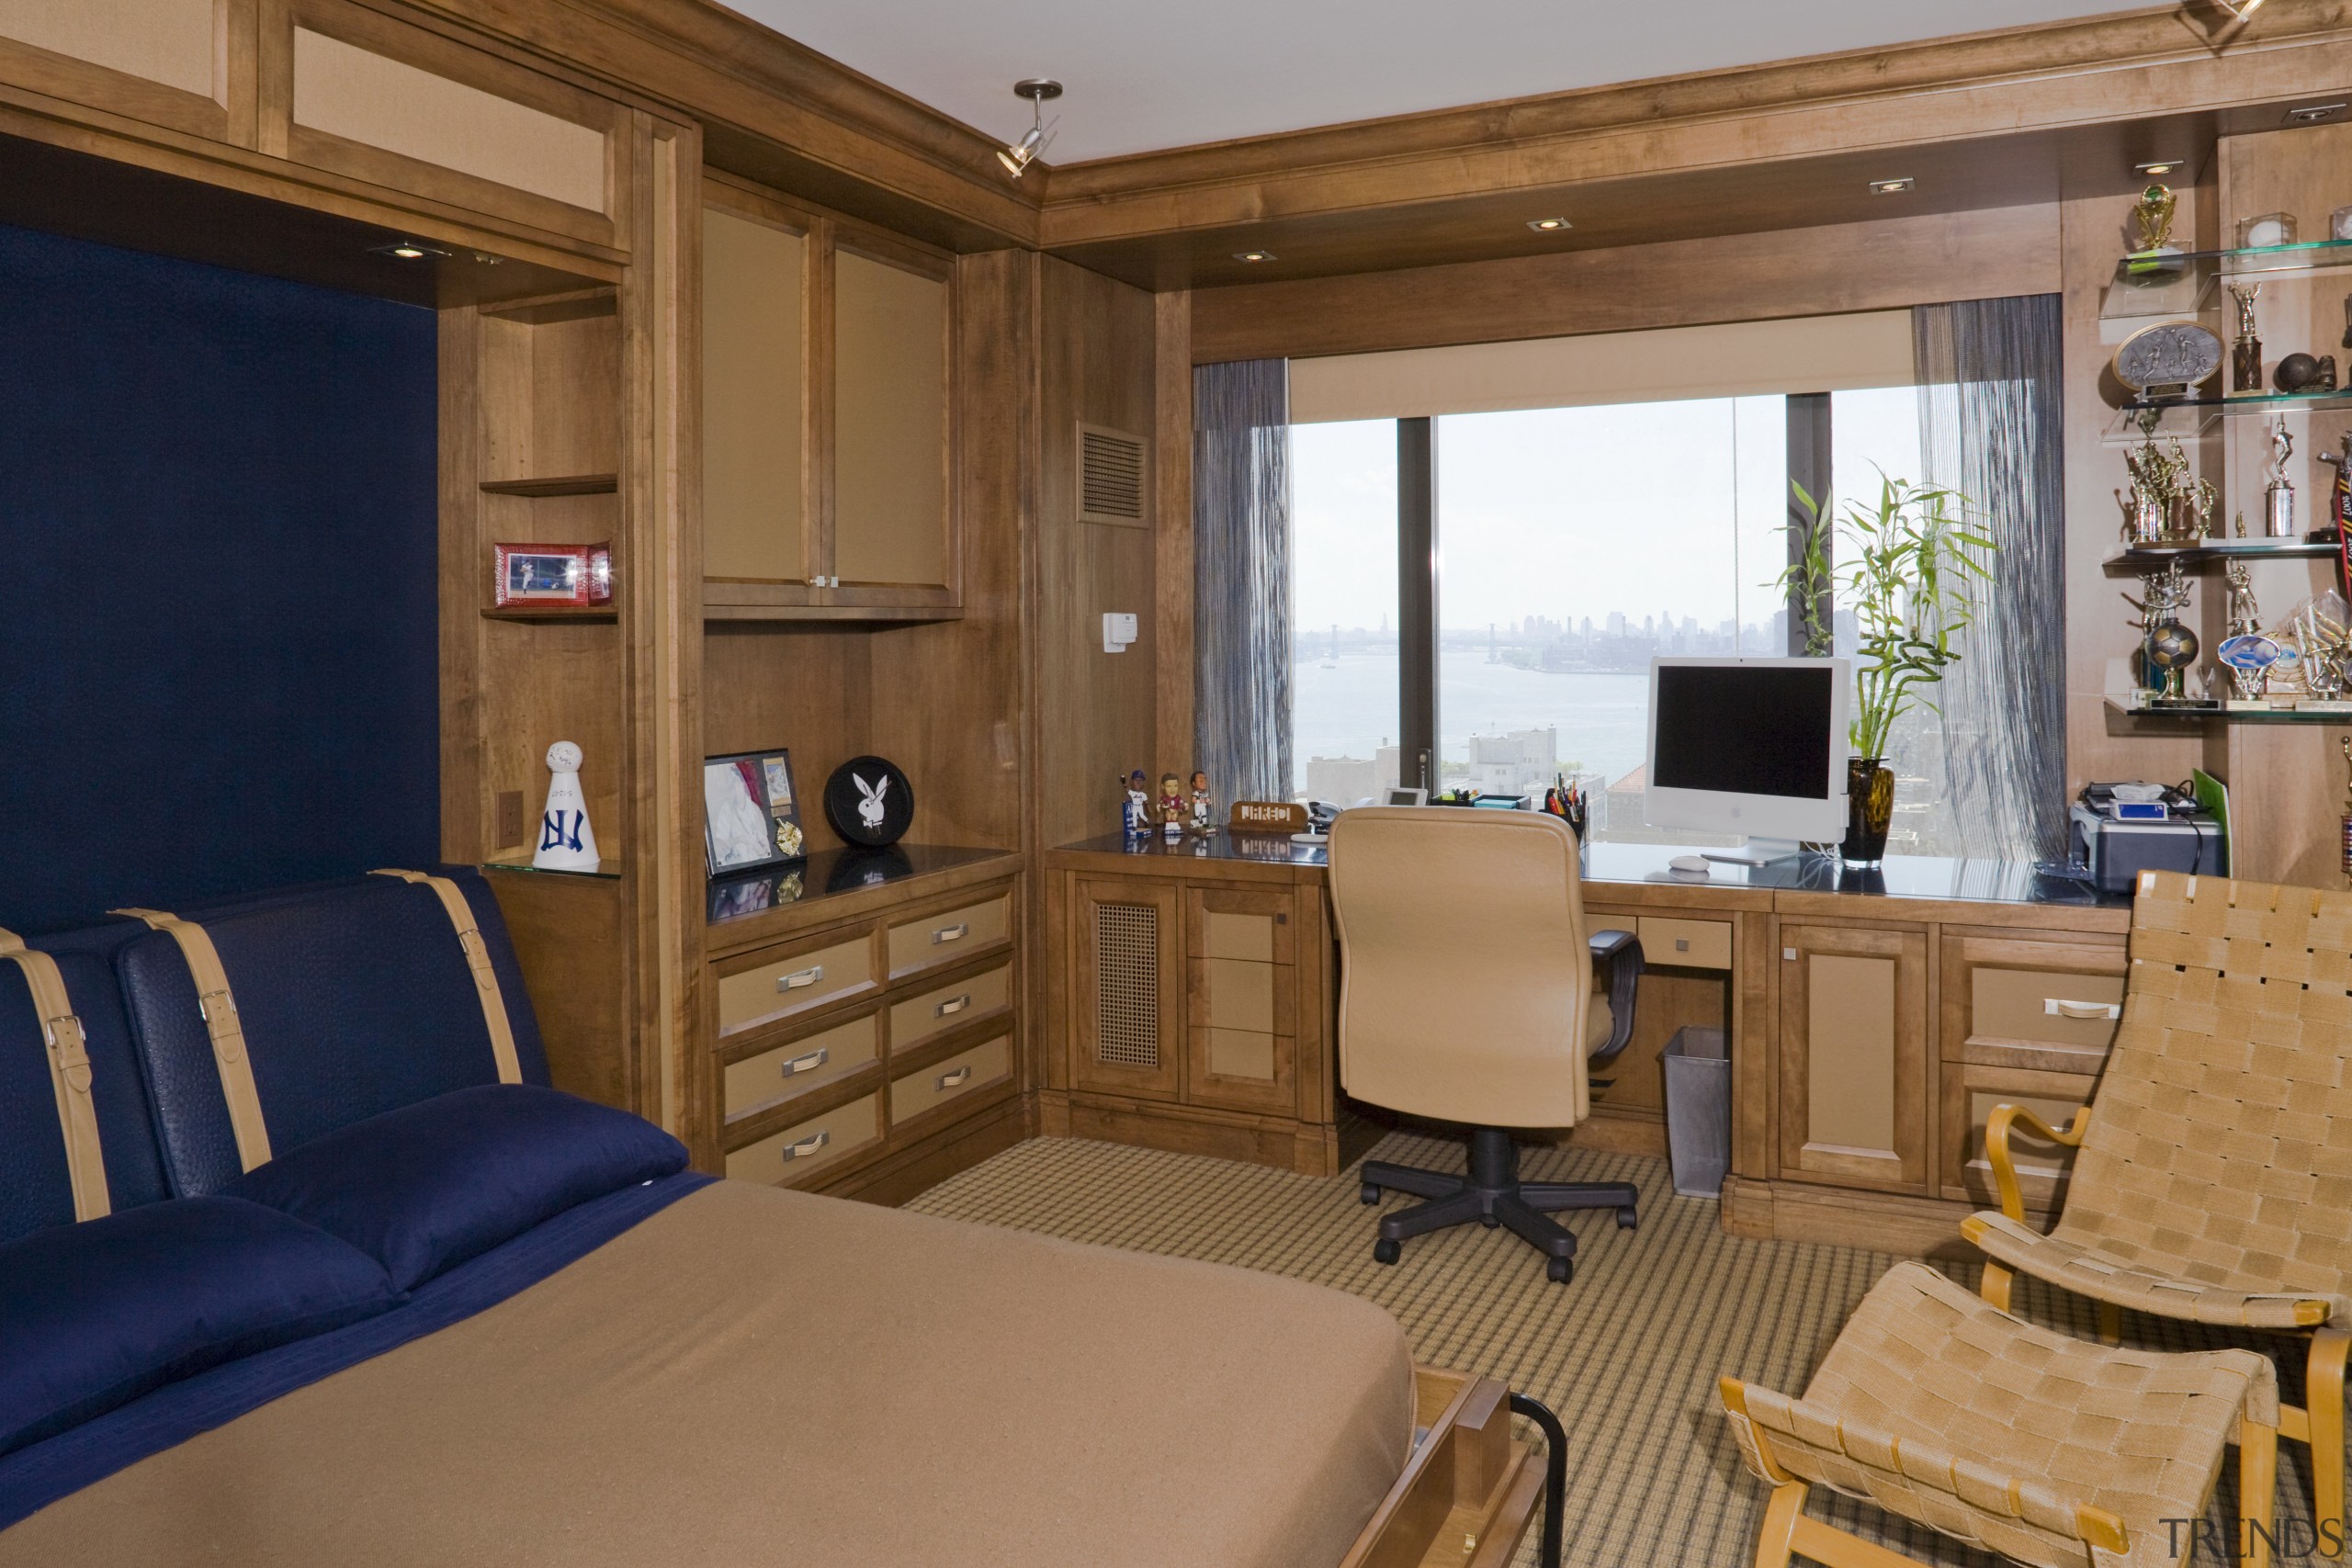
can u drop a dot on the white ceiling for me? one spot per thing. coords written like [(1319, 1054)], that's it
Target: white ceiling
[(1173, 73)]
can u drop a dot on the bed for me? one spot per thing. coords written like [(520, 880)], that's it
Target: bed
[(572, 1350)]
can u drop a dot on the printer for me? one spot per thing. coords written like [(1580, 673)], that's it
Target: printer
[(2116, 831)]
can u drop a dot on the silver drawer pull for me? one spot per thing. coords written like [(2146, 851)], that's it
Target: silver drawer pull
[(801, 978), (956, 1080), (2058, 1008), (953, 1004), (810, 1063), (808, 1145), (955, 932)]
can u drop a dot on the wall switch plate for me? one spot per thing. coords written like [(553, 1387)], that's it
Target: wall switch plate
[(510, 817), (1118, 631)]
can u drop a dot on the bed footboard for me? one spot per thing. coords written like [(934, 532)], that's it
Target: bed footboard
[(1469, 1491)]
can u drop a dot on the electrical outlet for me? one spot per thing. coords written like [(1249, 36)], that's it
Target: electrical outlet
[(510, 817)]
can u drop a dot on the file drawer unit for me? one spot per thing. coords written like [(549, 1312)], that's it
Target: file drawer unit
[(866, 1043)]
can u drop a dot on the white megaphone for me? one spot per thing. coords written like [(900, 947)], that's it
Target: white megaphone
[(566, 842)]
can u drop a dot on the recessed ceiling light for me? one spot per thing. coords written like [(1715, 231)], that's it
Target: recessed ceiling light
[(409, 249), (2161, 167), (1891, 187), (1549, 225), (1255, 257), (2311, 114)]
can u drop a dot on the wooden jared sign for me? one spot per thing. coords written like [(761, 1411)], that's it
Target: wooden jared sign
[(1268, 816)]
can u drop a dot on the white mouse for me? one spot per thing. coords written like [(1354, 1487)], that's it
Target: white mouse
[(1689, 865)]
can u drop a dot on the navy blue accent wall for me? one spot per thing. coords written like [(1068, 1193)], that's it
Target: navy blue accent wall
[(218, 655)]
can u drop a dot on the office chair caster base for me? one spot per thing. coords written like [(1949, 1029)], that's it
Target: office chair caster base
[(1559, 1270), (1488, 1220), (1629, 1219), (1386, 1251), (1370, 1194)]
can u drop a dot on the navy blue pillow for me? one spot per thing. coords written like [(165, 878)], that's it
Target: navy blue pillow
[(92, 1315), (424, 1188)]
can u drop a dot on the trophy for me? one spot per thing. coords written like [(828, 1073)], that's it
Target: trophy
[(2245, 354), (2169, 648), (2346, 822), (566, 842), (2278, 495), (2339, 494), (2240, 650), (2152, 218)]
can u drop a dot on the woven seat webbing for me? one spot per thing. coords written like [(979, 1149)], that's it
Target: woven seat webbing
[(219, 1009), (69, 1076), (493, 1001)]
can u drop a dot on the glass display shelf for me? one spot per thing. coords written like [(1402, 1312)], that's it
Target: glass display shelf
[(607, 869), (2226, 405), (2151, 557), (2305, 712), (2177, 283)]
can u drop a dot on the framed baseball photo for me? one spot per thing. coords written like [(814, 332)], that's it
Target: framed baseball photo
[(751, 814), (552, 574)]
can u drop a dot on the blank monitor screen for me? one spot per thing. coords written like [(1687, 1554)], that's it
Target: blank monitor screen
[(1756, 729)]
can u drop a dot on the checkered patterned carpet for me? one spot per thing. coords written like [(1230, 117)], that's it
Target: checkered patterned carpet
[(1627, 1354)]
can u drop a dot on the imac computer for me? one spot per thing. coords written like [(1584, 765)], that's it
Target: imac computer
[(1752, 746)]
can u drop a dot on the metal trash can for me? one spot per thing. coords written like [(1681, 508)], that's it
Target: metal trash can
[(1698, 1109)]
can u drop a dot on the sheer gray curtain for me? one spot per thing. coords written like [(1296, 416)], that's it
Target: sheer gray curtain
[(1241, 577), (1990, 405)]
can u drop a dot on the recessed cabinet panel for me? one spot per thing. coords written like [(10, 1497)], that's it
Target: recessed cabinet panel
[(377, 101), (1850, 1065), (1855, 1086), (889, 424), (170, 41), (754, 278)]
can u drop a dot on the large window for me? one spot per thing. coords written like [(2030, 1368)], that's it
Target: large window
[(1572, 545)]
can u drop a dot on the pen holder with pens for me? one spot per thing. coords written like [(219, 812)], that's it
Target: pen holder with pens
[(1569, 805)]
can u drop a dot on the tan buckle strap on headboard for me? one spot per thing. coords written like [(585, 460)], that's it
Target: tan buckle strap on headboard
[(219, 1009), (494, 1001), (69, 1075)]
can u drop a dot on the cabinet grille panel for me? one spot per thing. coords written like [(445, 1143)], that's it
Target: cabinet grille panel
[(1110, 476), (1126, 985)]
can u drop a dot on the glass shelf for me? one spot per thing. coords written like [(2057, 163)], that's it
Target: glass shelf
[(2335, 713), (2142, 557), (607, 870), (2246, 402), (2177, 283)]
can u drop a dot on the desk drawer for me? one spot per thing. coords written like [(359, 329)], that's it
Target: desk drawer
[(792, 1154), (778, 987), (2050, 1007), (936, 1011), (986, 1064), (1685, 945), (774, 1076), (947, 936)]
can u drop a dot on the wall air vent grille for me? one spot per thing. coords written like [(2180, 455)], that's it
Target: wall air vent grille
[(1110, 476), (1126, 985)]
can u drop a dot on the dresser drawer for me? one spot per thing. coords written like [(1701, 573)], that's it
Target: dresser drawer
[(947, 936), (778, 987), (807, 1146), (1685, 945), (985, 1064), (755, 1083), (944, 1008)]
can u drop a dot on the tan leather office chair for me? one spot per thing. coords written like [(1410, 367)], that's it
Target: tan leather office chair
[(1471, 991)]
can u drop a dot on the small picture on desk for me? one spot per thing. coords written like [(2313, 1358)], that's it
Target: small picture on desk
[(750, 816), (1405, 797)]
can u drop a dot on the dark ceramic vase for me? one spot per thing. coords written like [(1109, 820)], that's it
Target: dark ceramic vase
[(1869, 809)]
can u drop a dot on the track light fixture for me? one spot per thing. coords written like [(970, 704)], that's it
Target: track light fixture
[(2239, 10), (1017, 157)]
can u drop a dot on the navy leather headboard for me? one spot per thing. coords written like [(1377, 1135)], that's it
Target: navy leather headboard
[(355, 998), (36, 1188)]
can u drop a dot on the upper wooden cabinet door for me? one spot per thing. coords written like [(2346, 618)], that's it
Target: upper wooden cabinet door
[(352, 91), (186, 64), (1856, 1093), (892, 319), (758, 547)]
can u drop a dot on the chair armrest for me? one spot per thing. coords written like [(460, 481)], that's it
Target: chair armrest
[(1621, 951), (1996, 1148)]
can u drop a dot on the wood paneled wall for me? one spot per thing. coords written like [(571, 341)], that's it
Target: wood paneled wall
[(1096, 711)]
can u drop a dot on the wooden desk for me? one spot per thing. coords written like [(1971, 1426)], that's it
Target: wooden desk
[(1876, 1016)]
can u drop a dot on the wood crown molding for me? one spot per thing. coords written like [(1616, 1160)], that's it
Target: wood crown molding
[(766, 100), (1521, 142)]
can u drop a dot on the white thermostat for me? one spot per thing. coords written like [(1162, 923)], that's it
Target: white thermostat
[(1118, 631)]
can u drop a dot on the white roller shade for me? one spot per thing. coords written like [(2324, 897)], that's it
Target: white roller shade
[(1809, 353)]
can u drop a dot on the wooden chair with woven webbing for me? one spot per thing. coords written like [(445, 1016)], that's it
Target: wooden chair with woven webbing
[(2214, 1179)]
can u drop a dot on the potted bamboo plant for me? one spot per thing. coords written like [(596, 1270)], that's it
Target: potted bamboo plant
[(1905, 570)]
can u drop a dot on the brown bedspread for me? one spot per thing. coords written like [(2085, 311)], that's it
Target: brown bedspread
[(760, 1377)]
